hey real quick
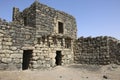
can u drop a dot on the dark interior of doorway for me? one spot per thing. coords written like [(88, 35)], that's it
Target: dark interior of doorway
[(58, 58), (27, 55)]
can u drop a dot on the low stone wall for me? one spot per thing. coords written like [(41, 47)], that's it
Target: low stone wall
[(99, 50)]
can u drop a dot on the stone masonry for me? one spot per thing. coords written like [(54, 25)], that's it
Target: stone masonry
[(40, 37), (98, 50)]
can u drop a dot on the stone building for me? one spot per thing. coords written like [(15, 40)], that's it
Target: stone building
[(41, 37), (38, 37)]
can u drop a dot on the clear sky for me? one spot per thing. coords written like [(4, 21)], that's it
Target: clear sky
[(94, 17)]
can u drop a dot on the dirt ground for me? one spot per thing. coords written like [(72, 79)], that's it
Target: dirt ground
[(71, 72)]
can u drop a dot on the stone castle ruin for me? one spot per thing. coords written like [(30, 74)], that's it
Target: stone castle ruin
[(41, 37)]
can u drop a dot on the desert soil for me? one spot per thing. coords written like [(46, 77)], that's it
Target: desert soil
[(70, 72)]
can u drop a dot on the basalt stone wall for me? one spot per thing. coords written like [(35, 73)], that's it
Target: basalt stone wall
[(69, 23), (45, 20), (44, 54), (26, 32), (99, 50), (10, 57), (118, 53), (113, 49), (14, 39), (27, 17)]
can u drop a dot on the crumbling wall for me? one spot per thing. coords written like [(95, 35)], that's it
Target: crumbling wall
[(98, 50), (13, 39), (27, 17)]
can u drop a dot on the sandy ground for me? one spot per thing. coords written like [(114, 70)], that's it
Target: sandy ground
[(71, 72)]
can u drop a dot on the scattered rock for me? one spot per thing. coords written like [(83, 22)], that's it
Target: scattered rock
[(105, 77), (60, 77)]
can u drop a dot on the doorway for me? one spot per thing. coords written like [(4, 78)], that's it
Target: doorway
[(58, 58), (27, 55)]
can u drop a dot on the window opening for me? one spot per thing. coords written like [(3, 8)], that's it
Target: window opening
[(60, 27), (25, 21), (54, 41), (67, 43), (61, 41), (38, 40), (43, 39)]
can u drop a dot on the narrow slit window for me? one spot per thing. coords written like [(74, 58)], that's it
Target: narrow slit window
[(38, 40), (67, 43), (25, 21), (60, 27)]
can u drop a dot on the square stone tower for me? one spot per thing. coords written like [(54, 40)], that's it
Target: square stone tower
[(46, 20)]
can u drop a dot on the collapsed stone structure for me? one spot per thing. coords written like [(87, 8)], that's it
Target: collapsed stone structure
[(41, 37)]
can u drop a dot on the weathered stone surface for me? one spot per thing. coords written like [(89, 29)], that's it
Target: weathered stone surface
[(17, 61), (3, 66), (13, 48), (16, 56), (11, 66), (6, 60), (98, 50), (0, 47), (6, 51), (35, 58), (36, 35), (35, 66)]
